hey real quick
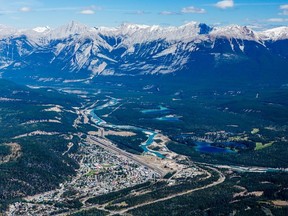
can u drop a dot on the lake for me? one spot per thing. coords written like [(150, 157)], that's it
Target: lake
[(169, 118), (205, 147), (160, 110)]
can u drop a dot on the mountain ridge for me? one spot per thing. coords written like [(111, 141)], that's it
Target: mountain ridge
[(75, 27), (76, 51)]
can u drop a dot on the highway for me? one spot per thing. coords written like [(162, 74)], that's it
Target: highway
[(220, 180)]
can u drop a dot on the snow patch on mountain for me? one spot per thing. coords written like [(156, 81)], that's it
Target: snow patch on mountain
[(130, 48), (234, 31), (106, 57), (42, 29), (171, 50), (73, 28), (6, 31), (280, 33)]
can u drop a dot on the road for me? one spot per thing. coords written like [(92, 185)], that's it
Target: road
[(111, 147), (219, 181)]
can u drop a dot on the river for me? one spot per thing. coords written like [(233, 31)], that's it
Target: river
[(150, 134)]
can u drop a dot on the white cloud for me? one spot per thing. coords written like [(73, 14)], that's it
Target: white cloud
[(25, 9), (255, 26), (87, 12), (168, 13), (284, 9), (185, 10), (57, 9), (225, 4), (137, 12), (192, 9), (277, 20)]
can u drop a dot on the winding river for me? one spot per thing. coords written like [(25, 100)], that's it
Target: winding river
[(150, 134)]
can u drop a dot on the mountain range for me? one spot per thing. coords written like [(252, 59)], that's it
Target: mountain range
[(75, 52)]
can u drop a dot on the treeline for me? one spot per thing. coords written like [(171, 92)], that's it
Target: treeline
[(274, 156), (40, 168), (118, 194), (221, 199), (162, 190), (129, 143)]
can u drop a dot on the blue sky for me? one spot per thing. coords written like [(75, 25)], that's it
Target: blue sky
[(32, 13)]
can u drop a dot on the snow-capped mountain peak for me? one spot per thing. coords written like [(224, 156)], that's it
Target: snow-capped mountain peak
[(71, 28), (234, 31), (134, 49), (42, 29), (279, 33), (6, 31), (133, 26), (140, 33)]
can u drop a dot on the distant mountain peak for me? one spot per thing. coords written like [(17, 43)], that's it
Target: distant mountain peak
[(135, 49), (139, 32), (42, 29), (278, 33), (133, 26), (7, 31), (71, 28), (235, 31), (190, 24), (204, 28)]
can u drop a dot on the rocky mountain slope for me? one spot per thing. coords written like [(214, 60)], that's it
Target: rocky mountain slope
[(77, 52)]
